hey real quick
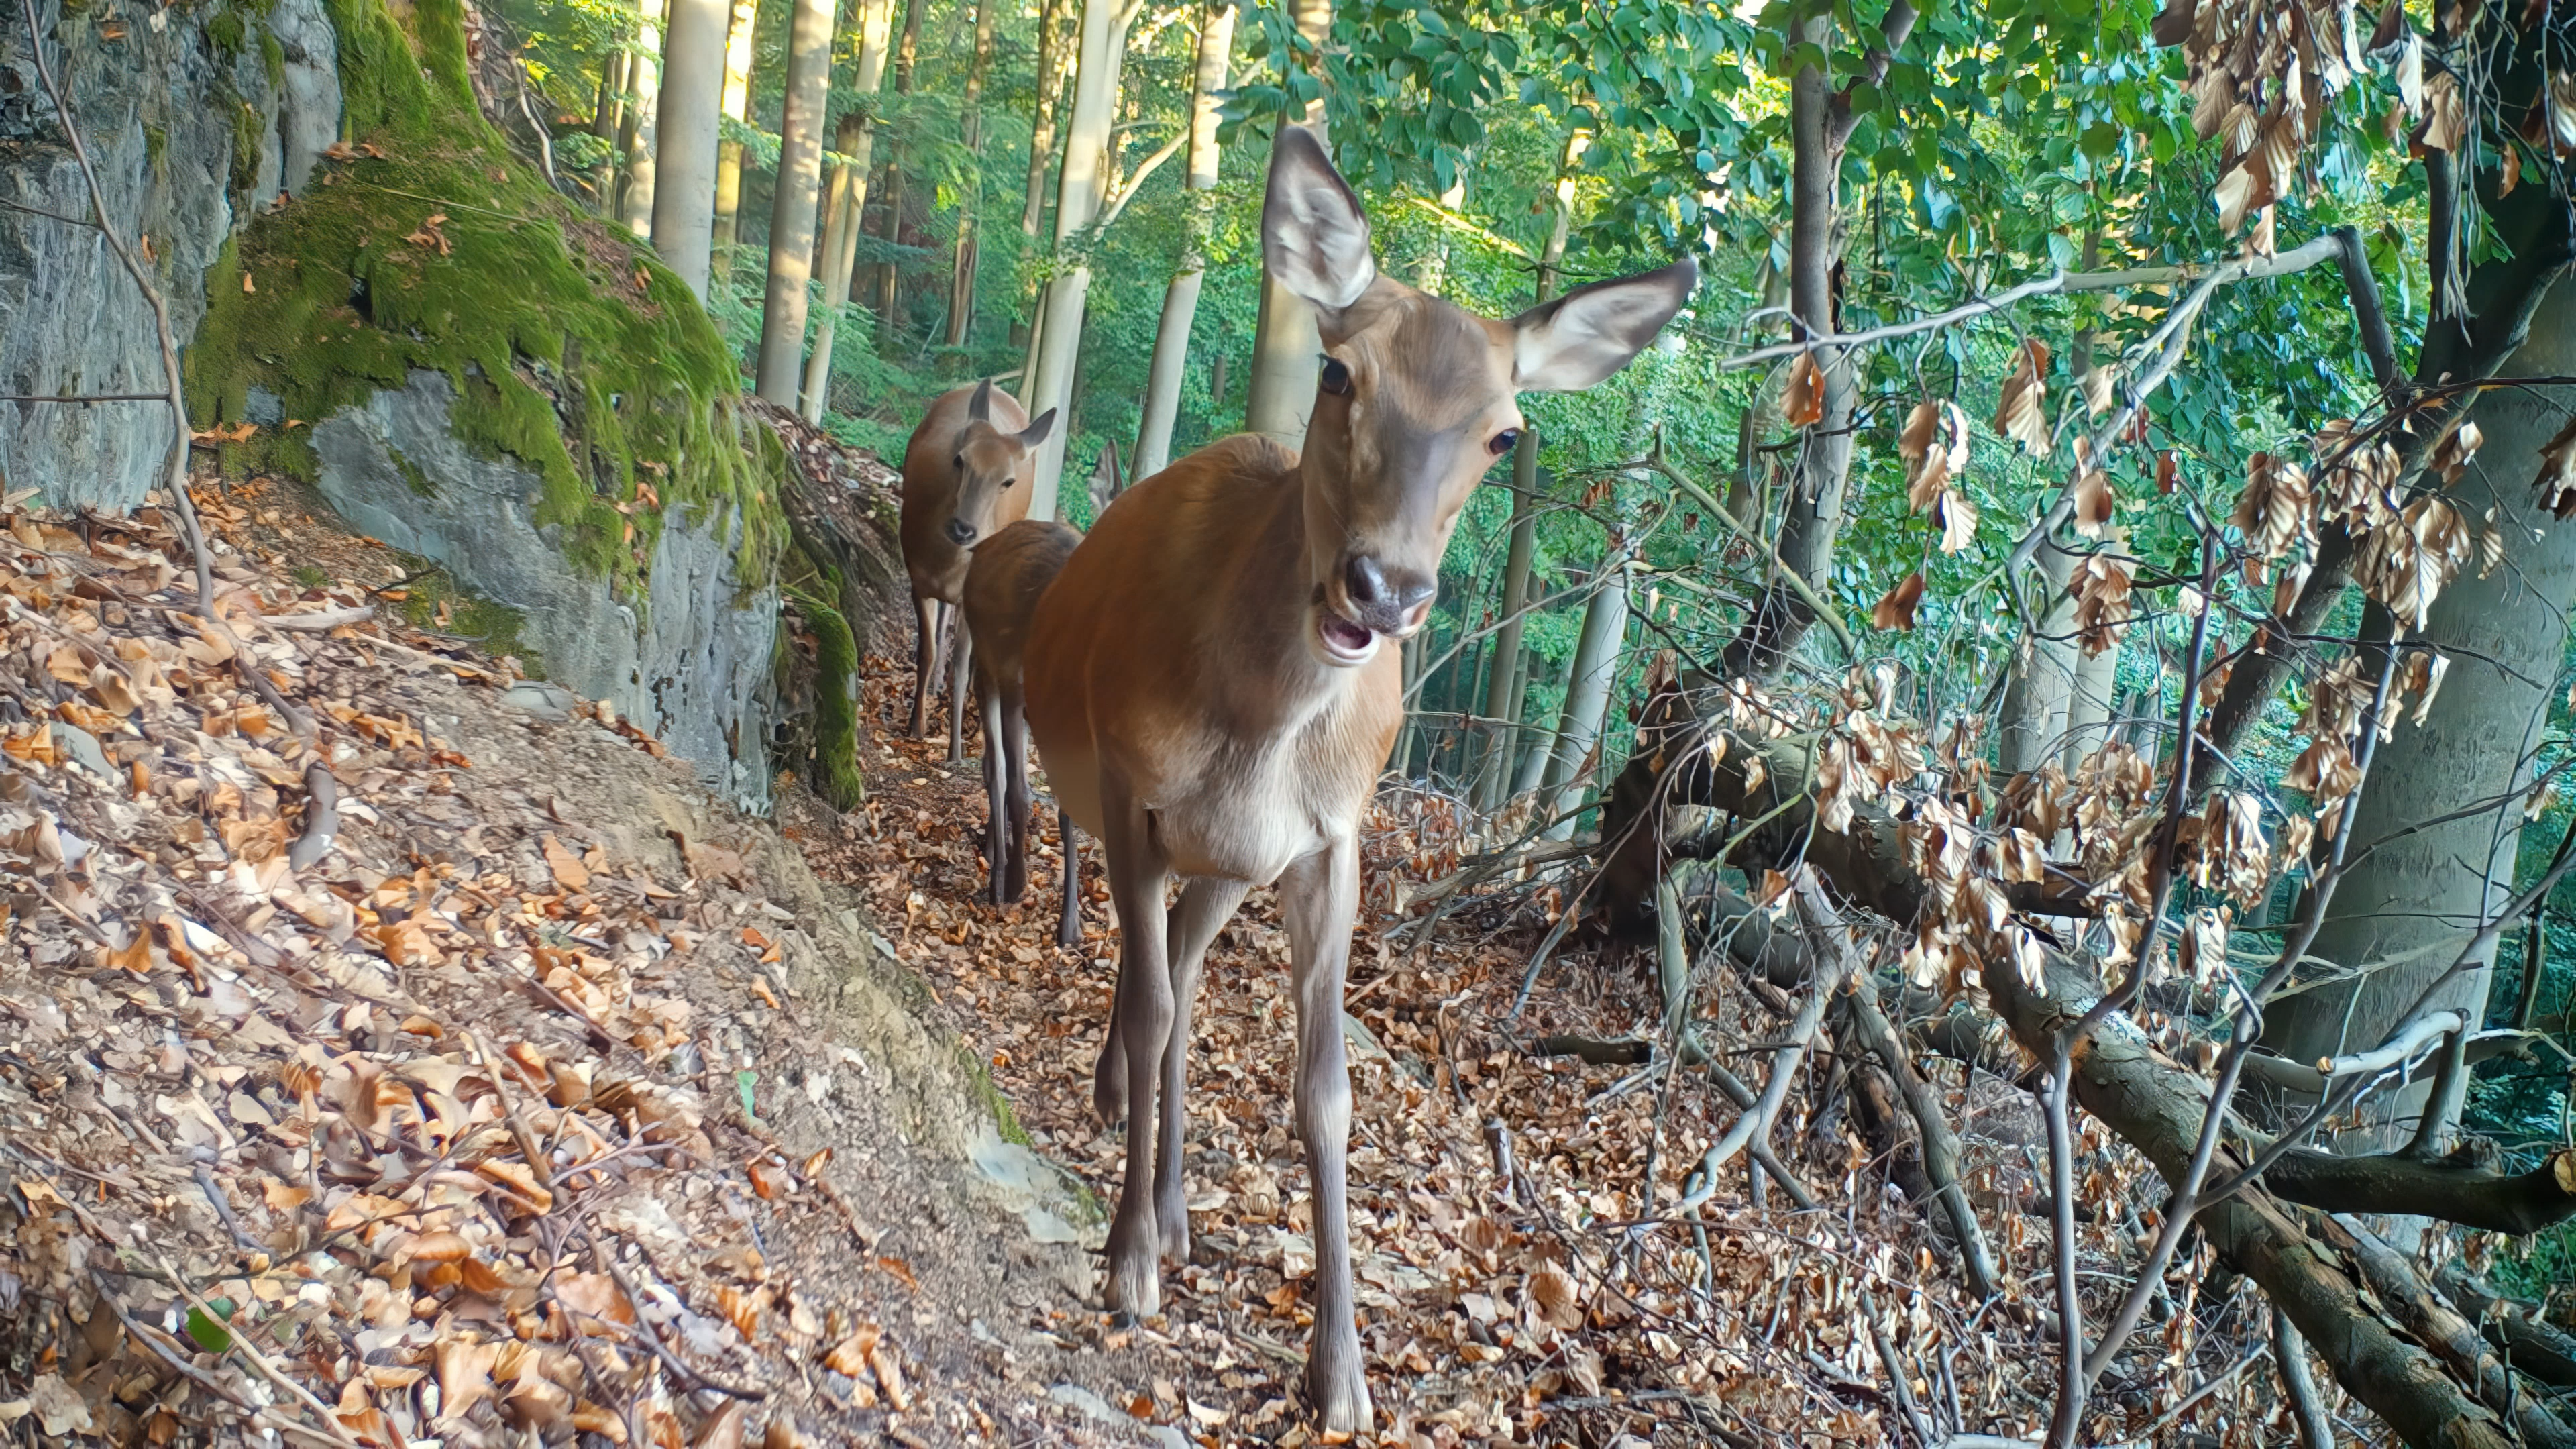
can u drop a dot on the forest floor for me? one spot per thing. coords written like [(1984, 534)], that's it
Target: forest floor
[(556, 1094)]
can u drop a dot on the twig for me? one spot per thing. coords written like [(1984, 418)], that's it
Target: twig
[(2072, 1381), (2299, 1383), (250, 1351), (321, 817), (608, 1264), (320, 619)]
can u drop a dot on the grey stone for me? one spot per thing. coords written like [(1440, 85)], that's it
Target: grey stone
[(1084, 1401), (551, 702), (84, 748), (263, 407), (690, 667)]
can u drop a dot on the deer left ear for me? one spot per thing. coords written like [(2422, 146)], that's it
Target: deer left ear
[(1036, 432), (980, 406), (1591, 332)]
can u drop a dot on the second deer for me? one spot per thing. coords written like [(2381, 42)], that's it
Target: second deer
[(966, 475), (1010, 572)]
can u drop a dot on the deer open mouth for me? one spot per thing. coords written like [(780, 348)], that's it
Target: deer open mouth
[(1344, 642)]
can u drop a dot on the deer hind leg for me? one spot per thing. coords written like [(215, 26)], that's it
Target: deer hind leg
[(1320, 897), (961, 660), (1142, 1024), (1068, 926), (1006, 737), (997, 833), (1204, 908), (925, 618)]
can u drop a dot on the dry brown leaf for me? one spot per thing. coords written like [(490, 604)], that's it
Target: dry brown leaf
[(1802, 402), (1895, 609), (2020, 413), (568, 870)]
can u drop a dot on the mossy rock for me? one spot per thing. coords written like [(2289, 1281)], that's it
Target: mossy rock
[(573, 351)]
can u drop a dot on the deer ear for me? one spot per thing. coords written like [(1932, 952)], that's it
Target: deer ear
[(1314, 237), (980, 406), (1036, 433), (1591, 332)]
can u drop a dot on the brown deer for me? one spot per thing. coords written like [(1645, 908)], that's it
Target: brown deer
[(1212, 682), (1011, 571), (966, 474)]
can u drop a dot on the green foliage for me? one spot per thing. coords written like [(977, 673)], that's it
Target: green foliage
[(572, 350)]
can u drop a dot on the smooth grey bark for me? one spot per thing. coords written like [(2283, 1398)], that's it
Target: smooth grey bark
[(962, 263), (1284, 345), (693, 83), (2042, 683), (2404, 912), (856, 134), (889, 276), (1181, 298), (791, 212), (636, 207), (1587, 693), (737, 105), (1079, 192)]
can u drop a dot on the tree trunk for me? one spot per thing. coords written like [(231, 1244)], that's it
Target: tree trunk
[(1078, 198), (791, 211), (961, 272), (1587, 692), (607, 121), (636, 208), (1181, 298), (613, 202), (1053, 54), (1503, 693), (1433, 272), (2410, 903), (856, 133), (2042, 681), (693, 83), (1282, 393), (737, 105), (890, 276)]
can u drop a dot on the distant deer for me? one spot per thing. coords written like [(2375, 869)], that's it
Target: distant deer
[(966, 474), (1210, 681), (1011, 571)]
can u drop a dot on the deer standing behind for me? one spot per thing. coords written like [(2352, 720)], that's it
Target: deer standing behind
[(1211, 683), (967, 474), (1010, 572)]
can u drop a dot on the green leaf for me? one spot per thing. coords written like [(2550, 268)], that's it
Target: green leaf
[(210, 1333), (742, 1085)]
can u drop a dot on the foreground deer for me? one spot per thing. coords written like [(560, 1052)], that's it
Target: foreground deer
[(966, 474), (1011, 570), (1211, 681)]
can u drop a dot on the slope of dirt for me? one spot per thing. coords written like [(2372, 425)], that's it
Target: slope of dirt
[(403, 1143)]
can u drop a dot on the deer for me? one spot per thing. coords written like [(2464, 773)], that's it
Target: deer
[(967, 472), (1214, 682), (1009, 574)]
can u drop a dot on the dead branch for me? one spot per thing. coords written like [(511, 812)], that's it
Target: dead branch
[(1941, 1152), (2441, 1328), (2462, 1188), (2307, 1406), (2542, 1350)]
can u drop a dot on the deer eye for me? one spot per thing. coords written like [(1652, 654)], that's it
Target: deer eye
[(1502, 442), (1336, 379), (958, 462)]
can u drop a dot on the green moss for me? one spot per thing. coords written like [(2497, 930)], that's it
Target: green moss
[(836, 706), (309, 576), (248, 134), (497, 627), (572, 349), (227, 31), (272, 58), (156, 144), (979, 1080), (413, 479)]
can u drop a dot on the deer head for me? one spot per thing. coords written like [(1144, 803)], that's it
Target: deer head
[(1416, 397), (988, 463)]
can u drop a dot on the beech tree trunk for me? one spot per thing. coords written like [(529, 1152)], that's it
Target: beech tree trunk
[(791, 211), (693, 82), (1282, 391), (2407, 908), (1587, 692), (1078, 199), (961, 272), (890, 276), (856, 134), (2041, 691), (636, 207), (608, 123), (1181, 298), (1504, 689), (1053, 55), (737, 105)]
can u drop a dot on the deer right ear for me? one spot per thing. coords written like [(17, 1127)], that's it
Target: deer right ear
[(1036, 433), (1314, 237), (980, 406)]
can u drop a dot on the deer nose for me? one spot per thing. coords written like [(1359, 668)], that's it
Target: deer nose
[(1388, 600), (960, 532)]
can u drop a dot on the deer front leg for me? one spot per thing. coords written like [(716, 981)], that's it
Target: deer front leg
[(1006, 737), (1204, 908), (997, 832), (1142, 1025), (1319, 895), (961, 660), (925, 618), (1068, 926)]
